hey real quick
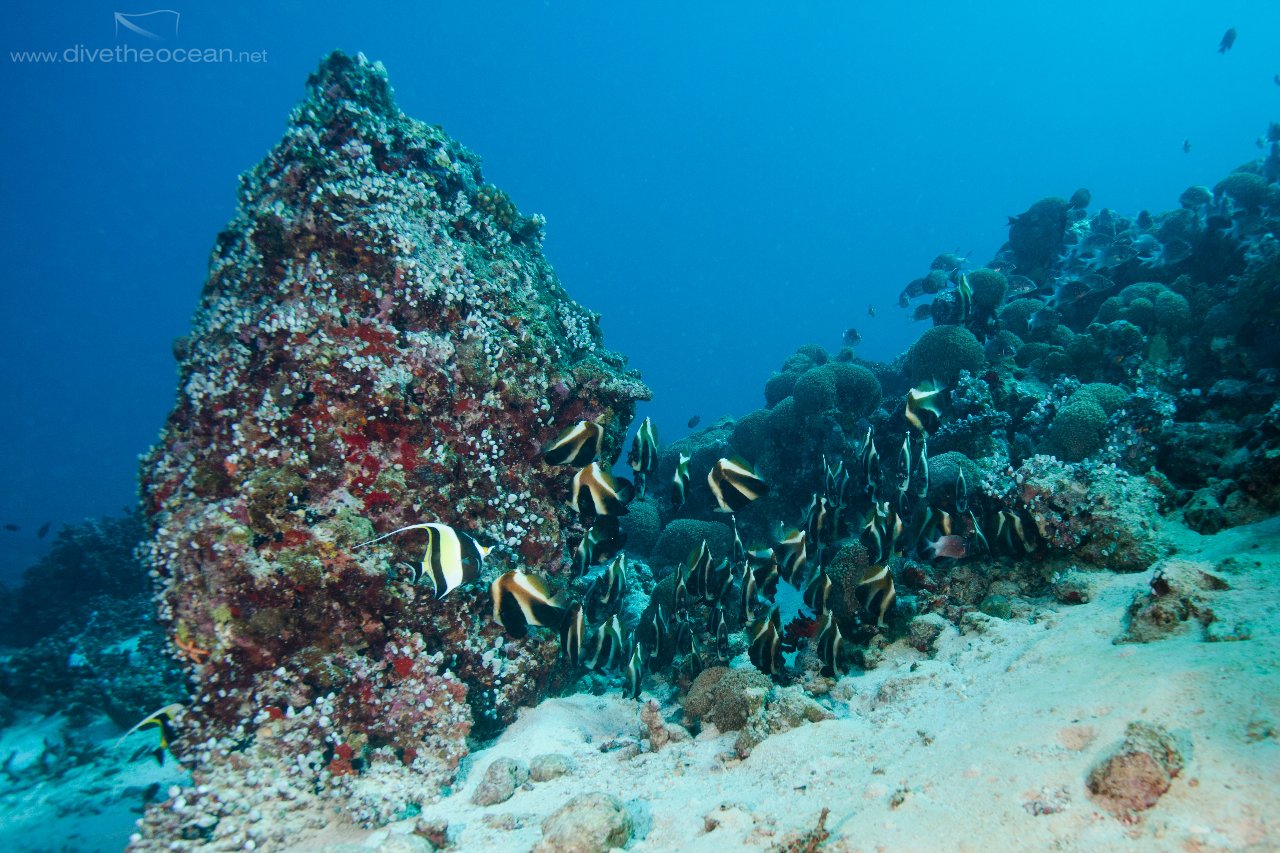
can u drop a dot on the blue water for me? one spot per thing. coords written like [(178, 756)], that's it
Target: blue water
[(721, 183)]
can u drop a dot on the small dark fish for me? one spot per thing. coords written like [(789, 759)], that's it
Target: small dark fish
[(694, 421), (44, 528), (1018, 285), (871, 310), (948, 262), (1186, 146), (1080, 199), (936, 281), (579, 445), (734, 484), (11, 528), (852, 337), (1228, 39), (521, 600)]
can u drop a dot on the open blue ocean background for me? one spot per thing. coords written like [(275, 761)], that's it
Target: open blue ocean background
[(722, 181)]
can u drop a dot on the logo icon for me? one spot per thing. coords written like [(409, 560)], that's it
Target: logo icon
[(157, 25)]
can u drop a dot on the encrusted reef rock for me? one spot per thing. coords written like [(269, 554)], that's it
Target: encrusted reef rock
[(1138, 772), (380, 342)]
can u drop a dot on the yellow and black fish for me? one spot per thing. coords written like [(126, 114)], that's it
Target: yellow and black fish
[(603, 540), (764, 641), (792, 553), (876, 593), (521, 600), (596, 492), (604, 597), (607, 647), (572, 629), (163, 720), (643, 456), (817, 593), (579, 445), (634, 672), (829, 643), (734, 485), (680, 482), (451, 558), (924, 406)]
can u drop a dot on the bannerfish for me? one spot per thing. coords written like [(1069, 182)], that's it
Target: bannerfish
[(607, 647), (572, 629), (817, 593), (748, 586), (604, 597), (694, 421), (717, 628), (792, 555), (680, 595), (596, 492), (739, 552), (875, 592), (904, 463), (643, 456), (602, 541), (894, 528), (634, 672), (961, 492), (697, 566), (923, 409), (680, 483), (719, 580), (829, 644), (764, 637), (1228, 39), (949, 546), (521, 600), (978, 534), (163, 720), (835, 479), (44, 528), (816, 519), (964, 298), (451, 558), (579, 445), (922, 467), (872, 534), (764, 568), (658, 628), (734, 485)]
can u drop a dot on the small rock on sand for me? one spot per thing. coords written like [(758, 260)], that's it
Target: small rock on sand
[(589, 823), (500, 781)]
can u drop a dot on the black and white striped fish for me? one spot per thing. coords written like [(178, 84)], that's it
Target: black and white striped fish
[(734, 484), (643, 456), (521, 600), (579, 445), (596, 492), (451, 558)]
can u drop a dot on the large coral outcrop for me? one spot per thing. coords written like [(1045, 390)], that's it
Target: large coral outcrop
[(380, 342)]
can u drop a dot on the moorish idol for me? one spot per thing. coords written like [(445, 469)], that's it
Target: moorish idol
[(163, 720), (451, 558)]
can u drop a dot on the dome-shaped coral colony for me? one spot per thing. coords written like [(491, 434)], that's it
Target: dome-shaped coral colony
[(381, 343)]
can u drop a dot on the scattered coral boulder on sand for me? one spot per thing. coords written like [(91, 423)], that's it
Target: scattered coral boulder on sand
[(589, 823), (1137, 773)]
